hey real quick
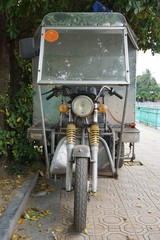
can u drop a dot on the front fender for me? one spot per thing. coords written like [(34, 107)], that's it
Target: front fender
[(81, 151)]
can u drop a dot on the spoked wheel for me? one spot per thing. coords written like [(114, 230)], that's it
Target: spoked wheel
[(80, 194)]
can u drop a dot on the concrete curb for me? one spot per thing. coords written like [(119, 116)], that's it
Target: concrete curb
[(9, 219)]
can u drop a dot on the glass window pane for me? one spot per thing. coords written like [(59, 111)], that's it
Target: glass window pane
[(88, 54)]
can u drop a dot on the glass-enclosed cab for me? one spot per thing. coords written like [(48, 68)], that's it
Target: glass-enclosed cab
[(93, 49), (84, 49)]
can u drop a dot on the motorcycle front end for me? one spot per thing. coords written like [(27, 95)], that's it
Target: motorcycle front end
[(83, 107)]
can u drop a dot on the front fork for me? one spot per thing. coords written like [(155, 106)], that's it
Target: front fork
[(94, 143), (71, 138)]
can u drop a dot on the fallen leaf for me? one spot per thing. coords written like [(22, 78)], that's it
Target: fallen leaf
[(139, 206), (39, 225), (59, 230), (124, 218), (130, 238), (46, 212), (49, 189), (21, 220), (85, 231), (5, 182), (41, 173), (49, 229), (94, 194), (34, 214), (24, 236), (15, 236), (19, 176), (17, 181), (43, 185)]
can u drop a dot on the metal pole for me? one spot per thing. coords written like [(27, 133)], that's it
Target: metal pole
[(122, 129), (44, 134)]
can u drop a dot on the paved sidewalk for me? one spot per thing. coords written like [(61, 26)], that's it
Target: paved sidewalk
[(123, 209)]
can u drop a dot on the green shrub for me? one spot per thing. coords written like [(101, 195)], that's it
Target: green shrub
[(13, 140)]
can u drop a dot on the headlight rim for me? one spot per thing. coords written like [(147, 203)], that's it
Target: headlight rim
[(91, 106)]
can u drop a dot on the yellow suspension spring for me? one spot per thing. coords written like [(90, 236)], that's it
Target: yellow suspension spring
[(71, 133), (94, 135)]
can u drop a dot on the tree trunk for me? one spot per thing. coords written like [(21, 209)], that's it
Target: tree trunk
[(4, 66), (15, 72)]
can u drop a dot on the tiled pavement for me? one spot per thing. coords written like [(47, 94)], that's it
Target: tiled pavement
[(123, 209)]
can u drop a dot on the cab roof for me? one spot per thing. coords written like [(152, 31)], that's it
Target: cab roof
[(89, 19)]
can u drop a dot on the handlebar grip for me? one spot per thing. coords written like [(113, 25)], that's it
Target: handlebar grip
[(118, 95), (113, 92)]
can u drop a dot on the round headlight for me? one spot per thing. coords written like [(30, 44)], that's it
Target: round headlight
[(82, 106)]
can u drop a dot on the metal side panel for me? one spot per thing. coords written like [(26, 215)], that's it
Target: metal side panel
[(129, 134)]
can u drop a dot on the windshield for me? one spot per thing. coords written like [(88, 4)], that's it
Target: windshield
[(84, 55)]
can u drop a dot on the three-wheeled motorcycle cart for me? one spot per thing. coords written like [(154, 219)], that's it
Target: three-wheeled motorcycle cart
[(84, 72)]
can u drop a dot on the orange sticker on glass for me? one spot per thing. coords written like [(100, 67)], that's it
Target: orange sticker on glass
[(51, 36)]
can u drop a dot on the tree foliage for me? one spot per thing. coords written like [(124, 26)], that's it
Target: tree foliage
[(20, 19), (147, 88), (144, 18), (23, 17)]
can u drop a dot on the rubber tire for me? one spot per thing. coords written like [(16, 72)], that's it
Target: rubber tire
[(80, 194)]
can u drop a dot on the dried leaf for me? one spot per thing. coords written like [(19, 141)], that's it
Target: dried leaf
[(59, 230), (19, 176), (21, 220), (49, 229), (46, 212), (15, 236), (138, 206), (43, 185), (24, 236), (26, 216), (34, 214), (130, 238), (5, 182), (39, 225), (41, 173), (49, 189), (124, 218), (85, 231), (94, 194)]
